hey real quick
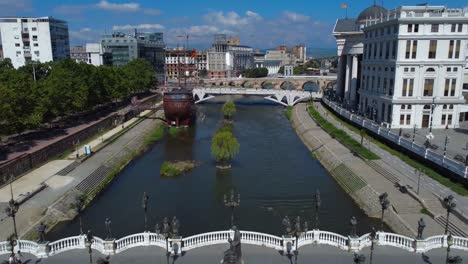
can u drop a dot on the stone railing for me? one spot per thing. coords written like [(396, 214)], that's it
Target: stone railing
[(456, 167), (176, 246)]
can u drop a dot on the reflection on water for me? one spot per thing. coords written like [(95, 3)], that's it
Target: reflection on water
[(274, 173)]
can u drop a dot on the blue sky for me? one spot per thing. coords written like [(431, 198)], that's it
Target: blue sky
[(259, 23)]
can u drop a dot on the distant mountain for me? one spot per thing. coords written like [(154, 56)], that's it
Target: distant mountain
[(320, 52)]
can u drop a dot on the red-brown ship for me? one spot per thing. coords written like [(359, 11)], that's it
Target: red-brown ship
[(179, 107)]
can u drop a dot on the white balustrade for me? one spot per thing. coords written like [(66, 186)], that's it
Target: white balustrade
[(261, 239), (27, 246), (434, 242), (4, 247), (157, 240), (333, 239), (460, 243), (65, 244), (98, 244), (307, 238), (129, 242), (206, 239), (396, 240), (365, 241)]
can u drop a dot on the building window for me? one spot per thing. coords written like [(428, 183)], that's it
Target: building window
[(435, 28), (394, 49), (408, 49), (432, 49), (402, 119), (454, 28), (17, 44), (384, 85), (408, 86), (457, 28), (428, 87), (454, 49), (413, 28), (415, 49), (387, 50), (36, 45), (381, 50), (450, 87), (411, 49), (390, 88), (34, 29)]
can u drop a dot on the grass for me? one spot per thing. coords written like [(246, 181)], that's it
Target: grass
[(155, 135), (169, 170), (341, 135), (425, 211), (454, 186), (174, 131), (288, 112)]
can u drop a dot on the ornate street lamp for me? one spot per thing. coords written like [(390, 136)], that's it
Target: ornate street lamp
[(12, 208), (232, 203), (447, 139), (318, 203), (88, 243), (384, 203), (373, 236), (168, 230), (433, 105), (298, 230), (12, 242), (359, 258), (450, 259), (145, 208), (79, 209), (450, 205)]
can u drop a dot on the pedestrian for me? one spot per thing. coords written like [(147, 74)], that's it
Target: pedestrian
[(11, 260), (18, 257)]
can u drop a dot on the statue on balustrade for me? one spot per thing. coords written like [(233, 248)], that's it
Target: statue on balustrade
[(41, 230), (234, 254), (421, 226)]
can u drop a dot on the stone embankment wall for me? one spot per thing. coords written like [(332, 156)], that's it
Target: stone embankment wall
[(334, 156), (24, 163), (98, 180)]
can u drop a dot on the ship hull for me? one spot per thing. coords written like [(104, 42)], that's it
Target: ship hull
[(179, 108)]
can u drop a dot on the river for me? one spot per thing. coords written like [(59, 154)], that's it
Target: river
[(274, 172)]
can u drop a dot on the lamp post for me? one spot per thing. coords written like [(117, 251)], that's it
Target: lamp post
[(12, 242), (232, 203), (12, 208), (414, 132), (88, 243), (318, 203), (79, 208), (353, 222), (145, 208), (384, 203), (168, 230), (449, 259), (450, 205), (433, 105), (373, 236), (300, 228)]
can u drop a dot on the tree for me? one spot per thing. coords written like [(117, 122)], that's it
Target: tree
[(229, 109), (255, 73), (203, 73), (224, 147), (139, 75)]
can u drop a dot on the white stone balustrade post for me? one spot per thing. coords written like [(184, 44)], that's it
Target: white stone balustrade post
[(43, 250), (316, 236), (444, 241), (109, 247), (353, 243), (288, 240), (82, 239), (380, 238), (175, 246), (146, 238), (419, 245)]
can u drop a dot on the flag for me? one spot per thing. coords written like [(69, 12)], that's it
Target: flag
[(194, 53), (344, 5)]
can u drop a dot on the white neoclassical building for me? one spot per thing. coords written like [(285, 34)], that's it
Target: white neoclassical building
[(412, 68)]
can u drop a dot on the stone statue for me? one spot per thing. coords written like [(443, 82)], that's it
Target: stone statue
[(287, 225), (175, 226), (353, 223), (166, 228), (421, 226), (42, 229), (108, 223), (89, 237), (234, 254)]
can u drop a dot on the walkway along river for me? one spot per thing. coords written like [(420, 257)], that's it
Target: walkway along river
[(274, 172)]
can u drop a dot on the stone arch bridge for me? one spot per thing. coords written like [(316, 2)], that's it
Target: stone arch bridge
[(318, 83)]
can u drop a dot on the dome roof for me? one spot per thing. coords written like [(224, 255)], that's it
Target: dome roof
[(374, 11)]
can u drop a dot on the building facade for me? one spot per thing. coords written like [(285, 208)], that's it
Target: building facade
[(201, 61), (226, 60), (78, 54), (300, 53), (41, 39), (180, 63), (405, 67), (124, 48)]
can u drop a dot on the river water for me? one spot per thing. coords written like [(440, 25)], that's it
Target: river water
[(274, 173)]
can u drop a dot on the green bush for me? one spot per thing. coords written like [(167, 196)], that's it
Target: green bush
[(341, 135), (288, 112), (155, 135), (169, 170)]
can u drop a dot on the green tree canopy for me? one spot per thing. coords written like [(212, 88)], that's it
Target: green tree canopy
[(255, 73), (224, 146), (229, 109)]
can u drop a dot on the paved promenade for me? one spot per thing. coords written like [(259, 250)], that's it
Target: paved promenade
[(251, 255), (429, 188), (32, 210)]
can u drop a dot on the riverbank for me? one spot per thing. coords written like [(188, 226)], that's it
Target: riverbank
[(358, 178), (56, 203)]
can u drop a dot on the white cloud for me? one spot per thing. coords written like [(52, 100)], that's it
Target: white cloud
[(113, 7), (85, 30), (141, 26), (252, 14), (231, 19), (16, 7), (295, 17)]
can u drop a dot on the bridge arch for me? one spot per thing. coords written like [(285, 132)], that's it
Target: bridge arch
[(311, 86), (267, 85), (232, 83), (247, 84), (287, 85)]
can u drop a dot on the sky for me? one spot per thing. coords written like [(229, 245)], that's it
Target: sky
[(259, 23)]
